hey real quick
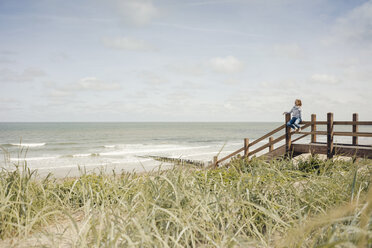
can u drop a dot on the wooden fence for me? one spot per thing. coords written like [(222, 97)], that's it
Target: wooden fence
[(288, 147)]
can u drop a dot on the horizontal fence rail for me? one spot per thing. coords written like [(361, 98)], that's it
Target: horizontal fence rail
[(287, 148)]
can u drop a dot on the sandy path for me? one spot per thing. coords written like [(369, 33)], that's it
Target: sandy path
[(63, 234)]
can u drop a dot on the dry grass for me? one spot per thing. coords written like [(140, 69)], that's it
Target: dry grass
[(251, 204)]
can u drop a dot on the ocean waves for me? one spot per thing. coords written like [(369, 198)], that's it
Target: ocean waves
[(125, 145), (24, 144)]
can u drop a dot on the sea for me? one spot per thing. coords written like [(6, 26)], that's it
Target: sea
[(67, 149)]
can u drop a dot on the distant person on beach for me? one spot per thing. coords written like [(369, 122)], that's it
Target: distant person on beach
[(296, 116)]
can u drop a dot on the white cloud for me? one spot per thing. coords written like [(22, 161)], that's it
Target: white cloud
[(30, 74), (206, 30), (187, 69), (9, 104), (232, 81), (92, 83), (293, 51), (324, 78), (280, 84), (228, 64), (191, 85), (58, 94), (355, 27), (127, 43), (153, 78), (137, 12), (84, 84), (55, 93)]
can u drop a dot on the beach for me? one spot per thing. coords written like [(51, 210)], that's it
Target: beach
[(202, 123)]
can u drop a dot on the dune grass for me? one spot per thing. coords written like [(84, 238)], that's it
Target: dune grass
[(250, 204)]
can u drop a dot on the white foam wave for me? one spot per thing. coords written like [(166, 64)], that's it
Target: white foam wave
[(32, 158), (86, 155), (29, 144), (141, 151), (141, 146)]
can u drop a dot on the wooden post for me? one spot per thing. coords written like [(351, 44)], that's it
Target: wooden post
[(246, 147), (330, 149), (271, 147), (313, 128), (287, 134), (215, 162), (355, 129)]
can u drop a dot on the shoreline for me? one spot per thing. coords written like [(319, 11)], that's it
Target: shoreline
[(77, 171)]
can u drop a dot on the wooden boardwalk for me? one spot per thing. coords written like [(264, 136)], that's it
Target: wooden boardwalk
[(291, 148)]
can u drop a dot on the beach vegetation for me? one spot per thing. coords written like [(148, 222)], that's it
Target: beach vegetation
[(252, 203)]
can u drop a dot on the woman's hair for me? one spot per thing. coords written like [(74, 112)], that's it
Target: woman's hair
[(298, 102)]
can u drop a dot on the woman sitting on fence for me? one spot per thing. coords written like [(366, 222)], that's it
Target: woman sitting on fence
[(296, 116)]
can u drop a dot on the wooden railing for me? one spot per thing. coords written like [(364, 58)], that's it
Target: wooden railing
[(314, 133), (331, 133)]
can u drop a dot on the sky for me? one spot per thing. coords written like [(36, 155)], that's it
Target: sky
[(184, 60)]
